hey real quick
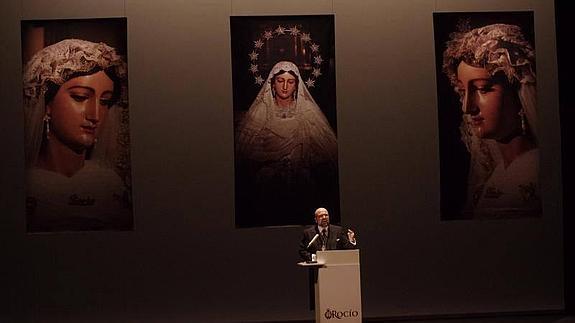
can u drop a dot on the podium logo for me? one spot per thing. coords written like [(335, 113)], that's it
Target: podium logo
[(334, 314)]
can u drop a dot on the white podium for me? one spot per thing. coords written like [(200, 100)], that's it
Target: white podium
[(338, 286)]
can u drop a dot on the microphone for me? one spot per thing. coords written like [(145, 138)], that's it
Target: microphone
[(313, 240)]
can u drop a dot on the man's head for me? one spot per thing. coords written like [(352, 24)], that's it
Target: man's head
[(322, 217)]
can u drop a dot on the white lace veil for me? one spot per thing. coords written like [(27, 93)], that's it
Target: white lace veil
[(318, 134), (497, 48), (58, 63)]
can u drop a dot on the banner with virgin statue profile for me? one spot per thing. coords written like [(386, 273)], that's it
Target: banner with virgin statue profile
[(487, 97), (286, 160), (77, 140)]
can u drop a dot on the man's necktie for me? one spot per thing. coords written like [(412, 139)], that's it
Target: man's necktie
[(324, 239)]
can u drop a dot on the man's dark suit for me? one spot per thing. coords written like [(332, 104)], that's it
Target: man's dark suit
[(336, 239)]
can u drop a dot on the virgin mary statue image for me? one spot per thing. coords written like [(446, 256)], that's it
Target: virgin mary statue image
[(492, 68), (74, 93), (286, 153)]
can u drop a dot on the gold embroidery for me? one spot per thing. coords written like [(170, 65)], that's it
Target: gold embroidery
[(528, 192), (81, 201), (492, 193)]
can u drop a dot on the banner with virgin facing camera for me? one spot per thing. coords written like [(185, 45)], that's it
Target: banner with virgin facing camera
[(77, 139), (286, 162)]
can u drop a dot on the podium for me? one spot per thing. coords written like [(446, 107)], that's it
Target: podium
[(338, 286)]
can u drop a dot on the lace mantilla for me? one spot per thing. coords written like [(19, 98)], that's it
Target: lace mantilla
[(58, 62), (497, 48)]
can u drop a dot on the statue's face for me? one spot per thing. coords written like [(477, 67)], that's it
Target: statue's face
[(285, 85), (490, 107), (78, 110)]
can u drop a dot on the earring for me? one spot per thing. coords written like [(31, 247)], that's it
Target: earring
[(47, 125), (523, 124)]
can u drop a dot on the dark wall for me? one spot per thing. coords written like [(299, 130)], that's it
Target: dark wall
[(566, 106), (186, 261)]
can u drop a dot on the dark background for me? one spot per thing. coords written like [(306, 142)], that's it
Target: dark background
[(563, 16), (111, 31)]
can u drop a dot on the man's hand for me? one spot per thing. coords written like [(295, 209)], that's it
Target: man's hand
[(351, 236)]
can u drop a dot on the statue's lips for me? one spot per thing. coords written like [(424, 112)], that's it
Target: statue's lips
[(89, 129)]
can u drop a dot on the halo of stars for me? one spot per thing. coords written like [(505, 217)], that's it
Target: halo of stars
[(280, 30)]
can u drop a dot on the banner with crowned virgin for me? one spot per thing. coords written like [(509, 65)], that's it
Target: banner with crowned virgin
[(286, 161)]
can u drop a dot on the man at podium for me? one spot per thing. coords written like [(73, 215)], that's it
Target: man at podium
[(324, 236)]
